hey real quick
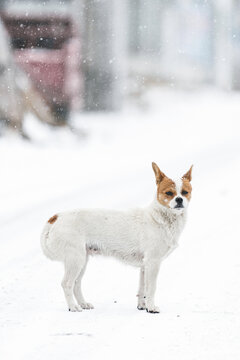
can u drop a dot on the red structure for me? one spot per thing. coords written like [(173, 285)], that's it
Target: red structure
[(47, 48)]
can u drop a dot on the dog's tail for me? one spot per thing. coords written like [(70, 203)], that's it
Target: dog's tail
[(46, 239)]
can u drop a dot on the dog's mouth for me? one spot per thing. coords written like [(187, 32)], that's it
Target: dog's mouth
[(179, 206)]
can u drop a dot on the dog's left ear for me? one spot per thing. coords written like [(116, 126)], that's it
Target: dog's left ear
[(188, 175)]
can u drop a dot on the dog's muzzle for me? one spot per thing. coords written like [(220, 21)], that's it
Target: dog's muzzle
[(179, 201)]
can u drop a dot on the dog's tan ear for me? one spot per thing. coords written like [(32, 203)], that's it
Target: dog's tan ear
[(158, 173), (188, 175)]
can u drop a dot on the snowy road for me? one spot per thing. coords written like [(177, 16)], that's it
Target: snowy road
[(198, 287)]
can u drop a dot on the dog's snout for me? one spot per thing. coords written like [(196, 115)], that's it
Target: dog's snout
[(179, 200)]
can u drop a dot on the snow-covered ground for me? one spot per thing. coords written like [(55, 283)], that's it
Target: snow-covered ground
[(199, 284)]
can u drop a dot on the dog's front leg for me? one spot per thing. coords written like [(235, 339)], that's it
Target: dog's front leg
[(151, 273), (141, 291)]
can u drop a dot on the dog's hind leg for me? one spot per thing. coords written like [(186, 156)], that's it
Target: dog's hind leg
[(78, 289), (141, 291), (73, 267)]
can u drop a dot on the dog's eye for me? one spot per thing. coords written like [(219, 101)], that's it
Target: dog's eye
[(184, 192), (169, 193)]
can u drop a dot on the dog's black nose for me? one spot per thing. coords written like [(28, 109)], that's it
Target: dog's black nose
[(179, 200)]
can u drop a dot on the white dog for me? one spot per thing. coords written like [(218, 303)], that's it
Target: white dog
[(140, 237)]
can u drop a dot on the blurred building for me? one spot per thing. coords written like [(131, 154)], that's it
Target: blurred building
[(173, 40), (88, 49), (186, 41), (227, 44)]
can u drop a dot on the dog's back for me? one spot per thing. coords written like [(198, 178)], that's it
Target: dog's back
[(105, 232)]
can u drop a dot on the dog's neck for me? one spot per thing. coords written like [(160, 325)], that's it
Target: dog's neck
[(164, 215)]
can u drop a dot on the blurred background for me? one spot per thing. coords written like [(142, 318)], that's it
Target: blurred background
[(59, 57), (91, 92)]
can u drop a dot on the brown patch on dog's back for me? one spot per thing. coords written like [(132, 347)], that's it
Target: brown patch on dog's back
[(52, 219)]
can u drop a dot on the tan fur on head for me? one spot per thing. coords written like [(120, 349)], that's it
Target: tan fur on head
[(188, 175), (158, 173), (166, 185), (187, 187)]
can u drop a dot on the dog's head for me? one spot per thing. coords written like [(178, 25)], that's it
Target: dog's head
[(176, 194)]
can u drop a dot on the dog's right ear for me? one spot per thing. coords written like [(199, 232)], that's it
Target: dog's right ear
[(158, 173)]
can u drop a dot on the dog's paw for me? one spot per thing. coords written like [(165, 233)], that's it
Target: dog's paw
[(153, 310), (75, 308), (141, 304), (85, 305)]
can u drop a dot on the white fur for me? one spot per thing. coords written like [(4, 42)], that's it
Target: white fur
[(172, 203), (179, 184), (140, 237)]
